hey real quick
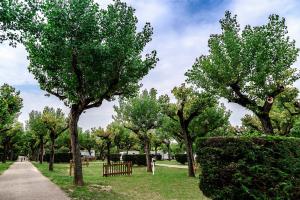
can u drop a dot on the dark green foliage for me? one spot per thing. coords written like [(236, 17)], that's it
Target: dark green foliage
[(181, 158), (59, 157), (250, 167), (136, 159), (158, 157), (115, 157)]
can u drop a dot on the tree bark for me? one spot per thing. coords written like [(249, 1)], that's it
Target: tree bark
[(266, 123), (189, 152), (74, 117), (51, 160), (147, 152)]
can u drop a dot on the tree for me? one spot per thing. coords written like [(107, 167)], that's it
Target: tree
[(284, 114), (124, 139), (213, 121), (83, 55), (107, 136), (36, 125), (250, 68), (9, 138), (190, 104), (141, 114), (88, 141), (56, 123), (10, 106)]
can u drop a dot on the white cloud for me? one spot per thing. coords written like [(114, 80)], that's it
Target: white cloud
[(13, 66)]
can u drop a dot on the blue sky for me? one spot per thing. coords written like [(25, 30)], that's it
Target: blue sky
[(181, 31)]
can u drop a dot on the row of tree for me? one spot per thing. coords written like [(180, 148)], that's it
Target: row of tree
[(84, 55)]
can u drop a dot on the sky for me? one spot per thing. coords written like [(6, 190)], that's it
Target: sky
[(181, 32)]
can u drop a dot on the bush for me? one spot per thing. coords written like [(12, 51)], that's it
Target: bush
[(181, 158), (136, 159), (157, 156), (59, 157), (250, 167), (115, 157)]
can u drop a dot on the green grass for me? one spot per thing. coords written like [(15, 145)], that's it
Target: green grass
[(4, 166), (171, 162), (167, 183)]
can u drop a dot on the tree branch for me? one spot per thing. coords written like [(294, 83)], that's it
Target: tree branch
[(61, 97), (242, 99)]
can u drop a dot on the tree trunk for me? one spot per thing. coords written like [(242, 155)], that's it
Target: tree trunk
[(41, 150), (266, 123), (147, 152), (74, 117), (189, 152), (51, 159), (4, 157)]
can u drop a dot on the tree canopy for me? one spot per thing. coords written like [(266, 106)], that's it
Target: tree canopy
[(10, 106), (83, 55), (141, 114), (249, 67)]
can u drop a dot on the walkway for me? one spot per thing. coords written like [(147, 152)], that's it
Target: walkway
[(22, 181), (174, 166)]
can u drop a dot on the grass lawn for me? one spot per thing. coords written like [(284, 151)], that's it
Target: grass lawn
[(167, 183), (4, 166), (171, 162)]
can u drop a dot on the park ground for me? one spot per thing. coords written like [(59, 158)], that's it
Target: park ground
[(4, 166), (167, 183)]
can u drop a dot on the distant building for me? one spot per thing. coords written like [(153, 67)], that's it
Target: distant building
[(87, 154)]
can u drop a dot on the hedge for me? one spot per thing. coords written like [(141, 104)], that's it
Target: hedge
[(139, 159), (249, 167), (59, 157), (115, 157), (181, 158)]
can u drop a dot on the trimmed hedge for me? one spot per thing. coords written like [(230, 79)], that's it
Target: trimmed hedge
[(181, 158), (250, 167), (136, 159), (59, 157), (115, 157)]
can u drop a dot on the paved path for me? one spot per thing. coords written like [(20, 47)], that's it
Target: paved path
[(22, 181), (174, 166)]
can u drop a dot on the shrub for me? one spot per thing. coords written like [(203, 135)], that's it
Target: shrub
[(157, 156), (181, 158), (250, 167), (115, 157), (59, 157), (136, 159)]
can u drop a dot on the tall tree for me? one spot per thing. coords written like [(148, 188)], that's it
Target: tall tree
[(141, 114), (83, 55), (9, 138), (56, 123), (250, 68), (10, 106), (190, 104), (36, 125)]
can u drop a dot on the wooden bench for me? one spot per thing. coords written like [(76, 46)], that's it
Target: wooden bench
[(84, 161), (117, 168)]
